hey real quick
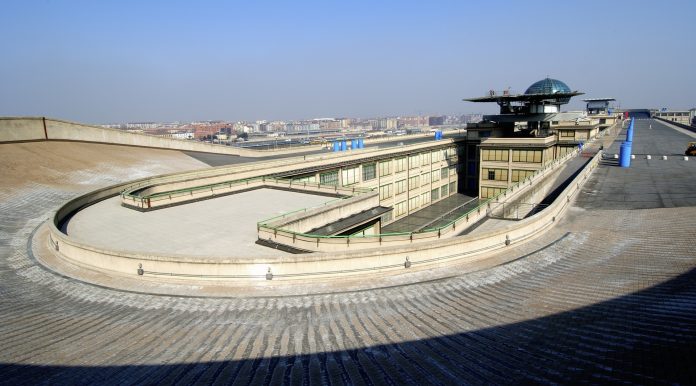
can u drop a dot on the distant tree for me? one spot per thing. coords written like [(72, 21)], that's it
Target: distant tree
[(244, 136)]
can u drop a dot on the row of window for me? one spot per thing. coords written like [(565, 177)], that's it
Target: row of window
[(415, 161), (492, 174), (415, 182), (495, 174), (386, 191), (403, 207), (487, 191), (529, 156)]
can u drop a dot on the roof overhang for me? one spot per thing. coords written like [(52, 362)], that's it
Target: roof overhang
[(524, 97)]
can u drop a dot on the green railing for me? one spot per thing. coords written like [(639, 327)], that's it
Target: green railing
[(435, 230), (168, 195)]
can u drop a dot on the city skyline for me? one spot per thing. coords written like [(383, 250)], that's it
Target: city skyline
[(129, 62)]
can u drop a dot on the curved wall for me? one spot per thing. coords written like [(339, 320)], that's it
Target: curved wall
[(387, 257)]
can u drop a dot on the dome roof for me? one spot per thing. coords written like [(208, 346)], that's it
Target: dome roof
[(548, 86)]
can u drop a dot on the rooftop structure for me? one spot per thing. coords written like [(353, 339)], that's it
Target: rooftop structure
[(544, 96), (598, 105)]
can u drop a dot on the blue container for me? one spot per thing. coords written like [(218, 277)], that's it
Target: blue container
[(343, 145), (361, 143), (353, 144), (625, 154), (438, 135)]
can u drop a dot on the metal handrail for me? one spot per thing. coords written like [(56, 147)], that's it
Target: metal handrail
[(439, 229)]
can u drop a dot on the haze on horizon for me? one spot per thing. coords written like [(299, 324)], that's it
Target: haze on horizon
[(127, 61)]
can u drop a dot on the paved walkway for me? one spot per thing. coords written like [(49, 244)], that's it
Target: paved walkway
[(607, 296)]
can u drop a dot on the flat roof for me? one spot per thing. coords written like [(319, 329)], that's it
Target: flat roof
[(598, 99), (221, 227)]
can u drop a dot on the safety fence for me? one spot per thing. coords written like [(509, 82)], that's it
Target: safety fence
[(272, 232)]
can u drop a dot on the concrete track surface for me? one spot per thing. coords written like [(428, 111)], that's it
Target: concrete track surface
[(607, 296)]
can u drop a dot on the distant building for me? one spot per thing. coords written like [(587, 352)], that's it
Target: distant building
[(685, 117)]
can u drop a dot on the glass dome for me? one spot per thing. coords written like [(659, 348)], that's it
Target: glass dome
[(548, 86)]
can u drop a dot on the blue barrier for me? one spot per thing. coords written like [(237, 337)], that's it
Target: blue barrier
[(361, 143), (336, 146), (343, 146), (625, 154)]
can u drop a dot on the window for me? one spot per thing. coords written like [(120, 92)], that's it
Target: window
[(488, 192), (350, 175), (425, 198), (495, 174), (413, 203), (451, 152), (564, 150), (400, 165), (400, 209), (494, 155), (453, 170), (385, 168), (369, 172), (425, 159), (444, 190), (425, 178), (400, 186), (413, 161), (567, 133), (530, 156), (444, 172), (521, 175), (413, 182), (435, 176), (434, 194), (309, 179), (329, 178), (435, 156), (452, 187), (385, 191)]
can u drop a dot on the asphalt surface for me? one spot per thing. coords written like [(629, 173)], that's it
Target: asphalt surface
[(654, 183)]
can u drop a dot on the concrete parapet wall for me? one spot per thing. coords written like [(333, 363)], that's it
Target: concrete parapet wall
[(386, 257), (22, 130), (33, 129), (678, 124), (320, 216)]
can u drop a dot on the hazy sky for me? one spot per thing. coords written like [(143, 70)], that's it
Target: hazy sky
[(118, 61)]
